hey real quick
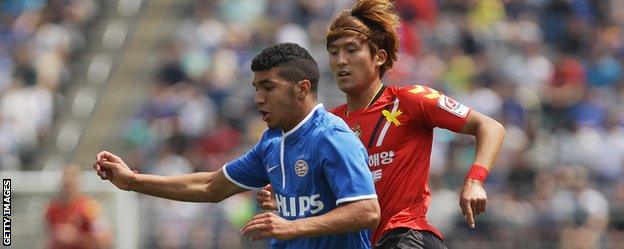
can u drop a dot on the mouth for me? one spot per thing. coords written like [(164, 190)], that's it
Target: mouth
[(343, 74), (265, 115)]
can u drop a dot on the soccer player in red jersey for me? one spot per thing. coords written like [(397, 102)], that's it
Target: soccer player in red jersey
[(396, 125), (75, 220)]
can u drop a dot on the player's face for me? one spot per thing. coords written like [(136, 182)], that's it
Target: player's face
[(351, 64), (275, 98)]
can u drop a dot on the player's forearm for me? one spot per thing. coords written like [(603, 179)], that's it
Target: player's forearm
[(349, 217), (489, 139), (190, 187), (489, 135)]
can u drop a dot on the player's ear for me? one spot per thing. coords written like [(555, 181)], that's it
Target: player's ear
[(380, 57), (302, 88)]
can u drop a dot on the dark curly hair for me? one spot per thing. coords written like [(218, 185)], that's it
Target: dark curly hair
[(294, 61)]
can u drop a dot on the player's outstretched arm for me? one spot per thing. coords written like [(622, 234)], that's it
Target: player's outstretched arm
[(347, 217), (489, 135), (195, 187)]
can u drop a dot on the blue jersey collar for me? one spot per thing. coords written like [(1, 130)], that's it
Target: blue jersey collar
[(303, 122)]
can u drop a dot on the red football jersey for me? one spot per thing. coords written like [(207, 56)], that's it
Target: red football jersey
[(397, 131), (81, 214)]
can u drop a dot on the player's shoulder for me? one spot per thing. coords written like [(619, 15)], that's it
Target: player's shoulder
[(270, 133), (332, 122), (339, 110), (415, 92), (269, 136), (331, 125)]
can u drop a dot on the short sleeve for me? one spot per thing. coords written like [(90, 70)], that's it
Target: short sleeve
[(247, 171), (344, 161), (433, 108)]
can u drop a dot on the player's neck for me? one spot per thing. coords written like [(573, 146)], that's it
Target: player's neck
[(303, 111), (362, 99)]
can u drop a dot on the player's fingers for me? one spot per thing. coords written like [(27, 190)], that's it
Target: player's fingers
[(484, 205), (474, 207), (96, 166), (267, 205), (109, 156), (261, 235), (100, 155), (469, 216), (462, 205), (255, 226), (102, 175), (253, 229), (264, 199), (477, 210), (480, 206), (264, 194), (258, 219), (261, 215), (105, 165)]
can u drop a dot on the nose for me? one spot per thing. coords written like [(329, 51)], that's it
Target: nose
[(259, 98), (341, 58)]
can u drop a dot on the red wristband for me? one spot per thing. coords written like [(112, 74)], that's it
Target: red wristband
[(477, 172)]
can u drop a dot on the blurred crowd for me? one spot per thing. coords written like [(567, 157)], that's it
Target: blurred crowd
[(39, 40), (550, 70)]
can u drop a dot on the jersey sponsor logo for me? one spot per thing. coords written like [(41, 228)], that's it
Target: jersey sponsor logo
[(381, 158), (452, 106), (272, 167), (298, 206), (301, 167), (392, 116)]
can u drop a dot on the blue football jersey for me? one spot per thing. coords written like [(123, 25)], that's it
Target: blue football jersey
[(314, 167)]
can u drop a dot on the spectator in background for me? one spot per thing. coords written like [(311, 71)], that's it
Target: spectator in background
[(38, 41), (75, 220)]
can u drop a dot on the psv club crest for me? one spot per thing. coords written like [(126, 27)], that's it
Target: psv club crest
[(301, 167)]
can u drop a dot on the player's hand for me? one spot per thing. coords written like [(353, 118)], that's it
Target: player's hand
[(472, 200), (270, 225), (266, 199), (110, 167)]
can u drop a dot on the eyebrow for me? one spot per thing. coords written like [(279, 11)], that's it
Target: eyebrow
[(262, 82), (349, 43)]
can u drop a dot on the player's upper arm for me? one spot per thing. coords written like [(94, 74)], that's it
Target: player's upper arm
[(476, 119), (220, 187), (248, 171), (432, 108), (345, 163)]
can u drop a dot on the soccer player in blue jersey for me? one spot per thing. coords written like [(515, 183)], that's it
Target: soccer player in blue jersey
[(318, 168)]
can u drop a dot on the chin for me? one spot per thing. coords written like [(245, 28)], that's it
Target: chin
[(348, 88), (271, 126)]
